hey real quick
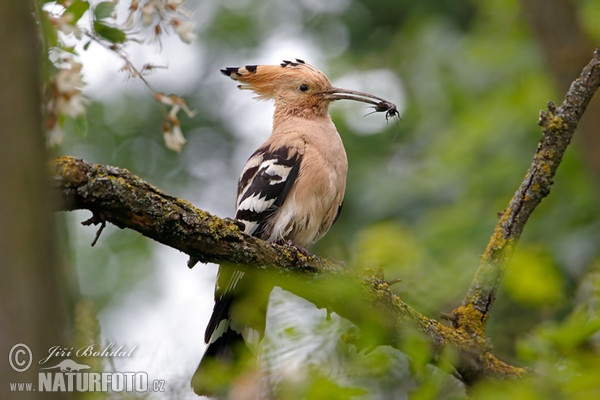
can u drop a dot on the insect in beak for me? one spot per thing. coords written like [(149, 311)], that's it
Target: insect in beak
[(379, 104)]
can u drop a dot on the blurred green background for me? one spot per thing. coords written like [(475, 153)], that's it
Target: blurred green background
[(423, 193)]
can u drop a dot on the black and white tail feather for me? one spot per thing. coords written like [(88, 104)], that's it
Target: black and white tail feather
[(265, 182)]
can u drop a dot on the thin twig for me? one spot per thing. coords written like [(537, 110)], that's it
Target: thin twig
[(99, 232), (558, 126), (95, 220)]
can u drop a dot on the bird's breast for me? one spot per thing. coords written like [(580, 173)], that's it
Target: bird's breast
[(313, 203)]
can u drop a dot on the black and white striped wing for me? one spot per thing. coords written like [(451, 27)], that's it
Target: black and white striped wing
[(266, 180)]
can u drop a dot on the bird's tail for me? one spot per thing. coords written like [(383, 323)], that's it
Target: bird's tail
[(233, 334), (227, 363)]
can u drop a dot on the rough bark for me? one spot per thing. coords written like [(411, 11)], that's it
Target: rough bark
[(33, 290)]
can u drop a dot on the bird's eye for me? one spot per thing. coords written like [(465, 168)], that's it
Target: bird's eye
[(303, 87)]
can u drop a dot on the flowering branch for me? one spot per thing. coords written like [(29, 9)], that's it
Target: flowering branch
[(62, 21)]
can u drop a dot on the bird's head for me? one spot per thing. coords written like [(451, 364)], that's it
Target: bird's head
[(299, 88)]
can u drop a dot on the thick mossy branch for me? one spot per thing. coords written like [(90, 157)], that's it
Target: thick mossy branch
[(558, 125), (115, 195)]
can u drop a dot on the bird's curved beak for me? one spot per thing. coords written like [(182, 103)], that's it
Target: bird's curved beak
[(379, 104)]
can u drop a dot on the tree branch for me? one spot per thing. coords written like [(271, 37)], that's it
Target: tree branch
[(117, 196), (558, 126)]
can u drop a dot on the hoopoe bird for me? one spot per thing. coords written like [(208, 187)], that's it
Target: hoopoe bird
[(290, 190)]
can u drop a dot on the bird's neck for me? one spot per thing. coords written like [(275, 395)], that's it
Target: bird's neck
[(283, 113), (307, 126)]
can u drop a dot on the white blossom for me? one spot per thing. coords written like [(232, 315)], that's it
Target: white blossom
[(70, 79), (173, 137), (175, 3), (72, 106), (67, 97), (148, 14), (185, 30), (54, 136)]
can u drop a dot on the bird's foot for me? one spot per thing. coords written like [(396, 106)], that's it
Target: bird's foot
[(300, 249)]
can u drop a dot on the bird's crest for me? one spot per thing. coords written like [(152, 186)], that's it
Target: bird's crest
[(268, 81)]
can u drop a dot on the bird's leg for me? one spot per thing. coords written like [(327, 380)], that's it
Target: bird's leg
[(299, 248)]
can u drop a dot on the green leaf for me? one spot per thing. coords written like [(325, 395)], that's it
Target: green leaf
[(81, 125), (390, 246), (533, 279), (77, 9), (49, 31), (68, 49), (109, 33), (104, 9), (62, 119)]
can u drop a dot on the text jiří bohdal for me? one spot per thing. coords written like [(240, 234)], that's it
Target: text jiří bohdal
[(93, 350)]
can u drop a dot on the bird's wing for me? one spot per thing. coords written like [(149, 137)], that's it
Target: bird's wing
[(266, 180)]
